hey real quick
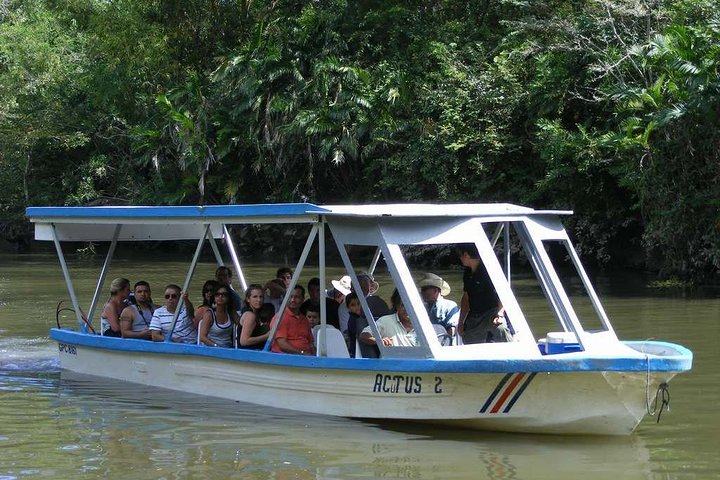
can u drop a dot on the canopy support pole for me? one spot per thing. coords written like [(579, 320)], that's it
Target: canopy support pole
[(103, 274), (68, 281), (322, 347), (215, 249), (293, 282), (363, 301), (186, 285), (507, 250), (412, 302), (234, 256), (374, 262)]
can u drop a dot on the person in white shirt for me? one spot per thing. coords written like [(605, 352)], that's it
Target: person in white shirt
[(395, 329), (161, 322)]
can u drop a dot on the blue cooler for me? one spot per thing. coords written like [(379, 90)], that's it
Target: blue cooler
[(561, 342)]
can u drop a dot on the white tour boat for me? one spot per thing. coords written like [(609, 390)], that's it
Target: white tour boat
[(565, 372)]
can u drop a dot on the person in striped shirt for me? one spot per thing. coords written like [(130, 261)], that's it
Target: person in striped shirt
[(162, 318)]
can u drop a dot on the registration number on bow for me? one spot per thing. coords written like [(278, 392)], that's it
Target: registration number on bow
[(69, 349)]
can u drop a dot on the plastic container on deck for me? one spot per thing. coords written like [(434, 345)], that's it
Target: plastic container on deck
[(561, 342)]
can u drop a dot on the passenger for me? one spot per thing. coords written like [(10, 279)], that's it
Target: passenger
[(313, 315), (342, 288), (224, 275), (275, 292), (293, 335), (378, 306), (216, 329), (162, 318), (110, 318), (135, 319), (313, 301), (480, 319), (395, 329), (356, 322), (285, 275), (441, 311), (208, 296), (255, 320)]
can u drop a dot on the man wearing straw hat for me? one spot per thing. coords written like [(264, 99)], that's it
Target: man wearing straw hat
[(441, 311)]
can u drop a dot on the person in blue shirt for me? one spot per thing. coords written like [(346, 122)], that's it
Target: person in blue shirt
[(441, 311)]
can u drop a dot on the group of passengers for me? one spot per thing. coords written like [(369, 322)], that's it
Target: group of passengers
[(225, 319)]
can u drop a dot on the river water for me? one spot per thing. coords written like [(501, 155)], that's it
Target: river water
[(53, 425)]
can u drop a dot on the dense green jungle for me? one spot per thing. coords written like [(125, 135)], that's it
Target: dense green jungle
[(609, 108)]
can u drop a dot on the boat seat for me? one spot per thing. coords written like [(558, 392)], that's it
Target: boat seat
[(336, 346)]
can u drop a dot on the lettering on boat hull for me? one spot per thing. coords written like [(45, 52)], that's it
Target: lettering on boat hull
[(405, 384), (66, 348)]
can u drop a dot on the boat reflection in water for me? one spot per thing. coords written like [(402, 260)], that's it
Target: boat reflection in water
[(163, 433)]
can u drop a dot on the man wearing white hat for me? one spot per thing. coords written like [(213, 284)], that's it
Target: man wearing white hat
[(341, 288), (441, 311)]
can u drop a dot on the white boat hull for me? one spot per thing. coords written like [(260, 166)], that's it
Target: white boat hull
[(588, 402)]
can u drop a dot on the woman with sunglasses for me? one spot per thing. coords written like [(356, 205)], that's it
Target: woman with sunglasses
[(161, 322), (216, 329), (254, 327), (208, 296)]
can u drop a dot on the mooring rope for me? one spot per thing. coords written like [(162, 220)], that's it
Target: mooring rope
[(662, 392)]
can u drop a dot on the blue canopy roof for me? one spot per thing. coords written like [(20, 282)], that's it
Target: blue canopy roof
[(198, 212), (142, 223)]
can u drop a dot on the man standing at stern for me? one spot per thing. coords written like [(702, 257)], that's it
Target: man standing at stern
[(481, 317)]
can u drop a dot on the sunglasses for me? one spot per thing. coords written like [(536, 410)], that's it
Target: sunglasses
[(172, 295), (221, 294)]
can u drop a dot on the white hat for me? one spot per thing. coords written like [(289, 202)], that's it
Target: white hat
[(342, 285), (432, 280)]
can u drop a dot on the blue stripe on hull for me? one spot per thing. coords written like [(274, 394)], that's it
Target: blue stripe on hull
[(550, 363)]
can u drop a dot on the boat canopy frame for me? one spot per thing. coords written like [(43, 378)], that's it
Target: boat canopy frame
[(385, 227)]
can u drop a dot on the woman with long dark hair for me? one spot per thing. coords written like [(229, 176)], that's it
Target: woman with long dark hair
[(254, 324), (217, 325), (208, 300)]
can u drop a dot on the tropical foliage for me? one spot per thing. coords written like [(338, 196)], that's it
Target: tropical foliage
[(606, 107)]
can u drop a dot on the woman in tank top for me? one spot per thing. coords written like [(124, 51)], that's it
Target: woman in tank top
[(254, 327), (217, 325), (110, 318)]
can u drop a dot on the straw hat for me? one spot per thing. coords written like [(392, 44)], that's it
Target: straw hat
[(342, 285), (432, 280)]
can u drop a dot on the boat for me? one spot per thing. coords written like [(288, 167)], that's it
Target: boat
[(565, 372)]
